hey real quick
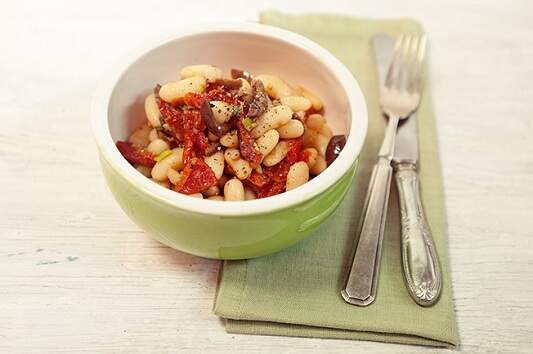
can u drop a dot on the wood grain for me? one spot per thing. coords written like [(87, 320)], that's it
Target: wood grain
[(77, 276)]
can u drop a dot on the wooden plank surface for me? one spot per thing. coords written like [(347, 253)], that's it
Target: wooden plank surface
[(76, 275)]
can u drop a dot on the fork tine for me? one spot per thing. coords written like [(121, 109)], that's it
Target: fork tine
[(420, 55), (418, 65), (406, 67), (412, 64), (391, 80), (404, 76)]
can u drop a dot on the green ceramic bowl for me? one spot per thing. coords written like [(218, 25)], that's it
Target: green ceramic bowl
[(228, 230)]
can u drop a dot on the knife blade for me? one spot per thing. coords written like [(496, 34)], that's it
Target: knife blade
[(421, 268)]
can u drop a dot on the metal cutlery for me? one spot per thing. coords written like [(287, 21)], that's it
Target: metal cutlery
[(421, 268), (399, 97)]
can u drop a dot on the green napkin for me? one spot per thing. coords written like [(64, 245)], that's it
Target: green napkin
[(296, 292)]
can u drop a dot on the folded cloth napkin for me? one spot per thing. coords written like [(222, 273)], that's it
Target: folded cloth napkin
[(296, 292)]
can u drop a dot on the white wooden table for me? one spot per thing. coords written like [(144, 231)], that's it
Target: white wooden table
[(76, 275)]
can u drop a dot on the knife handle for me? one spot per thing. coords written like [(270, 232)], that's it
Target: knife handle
[(361, 286), (421, 267)]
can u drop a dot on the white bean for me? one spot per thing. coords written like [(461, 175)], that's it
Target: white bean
[(222, 111), (174, 160), (277, 154), (242, 169), (196, 195), (311, 156), (233, 190), (231, 155), (326, 131), (267, 142), (175, 91), (140, 136), (272, 119), (151, 109), (230, 140), (173, 176), (146, 171), (240, 166), (298, 175), (296, 103), (309, 138), (246, 88), (299, 115), (321, 144), (315, 122), (275, 86), (292, 129), (210, 72), (319, 166), (269, 103), (153, 135), (157, 146), (297, 90), (216, 163), (249, 194), (315, 101)]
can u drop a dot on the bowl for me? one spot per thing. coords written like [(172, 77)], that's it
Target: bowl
[(227, 230)]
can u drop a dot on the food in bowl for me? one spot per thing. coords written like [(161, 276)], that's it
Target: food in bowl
[(231, 138)]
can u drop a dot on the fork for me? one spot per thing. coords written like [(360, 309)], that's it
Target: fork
[(399, 97)]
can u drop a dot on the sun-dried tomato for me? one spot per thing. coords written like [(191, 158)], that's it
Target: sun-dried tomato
[(184, 177), (246, 143), (195, 144), (192, 120), (279, 171), (194, 99), (196, 177), (194, 140), (257, 180), (188, 147), (295, 150), (135, 154), (217, 92), (173, 120), (276, 176), (270, 189)]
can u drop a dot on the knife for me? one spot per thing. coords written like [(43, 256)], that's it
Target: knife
[(421, 268)]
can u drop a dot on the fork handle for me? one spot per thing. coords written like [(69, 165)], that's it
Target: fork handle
[(421, 267), (361, 285)]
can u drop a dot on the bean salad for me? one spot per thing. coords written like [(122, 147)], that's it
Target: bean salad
[(231, 137)]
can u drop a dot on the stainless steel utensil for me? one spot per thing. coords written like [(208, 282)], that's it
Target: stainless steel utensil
[(420, 262), (399, 97)]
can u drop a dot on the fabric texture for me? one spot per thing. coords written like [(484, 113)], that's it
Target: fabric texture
[(296, 292)]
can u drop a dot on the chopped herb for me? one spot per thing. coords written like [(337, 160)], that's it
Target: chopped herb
[(162, 155), (247, 122)]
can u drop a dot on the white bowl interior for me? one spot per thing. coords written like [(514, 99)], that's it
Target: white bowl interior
[(226, 49)]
